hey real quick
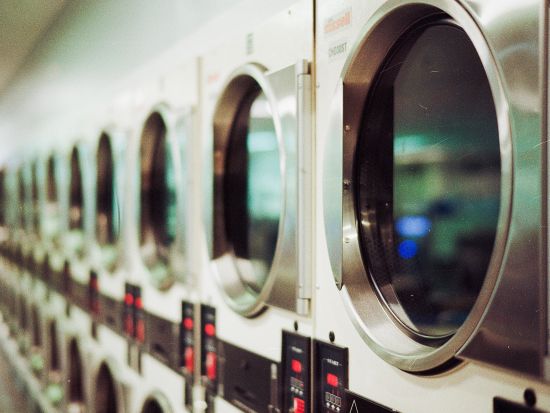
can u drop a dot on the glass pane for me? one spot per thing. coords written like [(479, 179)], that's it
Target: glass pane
[(253, 193), (170, 210), (438, 206), (107, 211)]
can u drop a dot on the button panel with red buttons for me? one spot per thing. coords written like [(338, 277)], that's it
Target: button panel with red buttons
[(187, 339), (331, 377), (139, 316), (296, 373), (209, 347), (134, 314), (128, 311)]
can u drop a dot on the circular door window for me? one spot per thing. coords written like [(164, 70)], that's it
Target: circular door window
[(35, 198), (76, 195), (22, 198), (426, 196), (106, 228), (107, 218), (248, 189), (158, 199), (52, 223)]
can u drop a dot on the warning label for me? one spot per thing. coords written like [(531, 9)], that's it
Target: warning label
[(358, 404)]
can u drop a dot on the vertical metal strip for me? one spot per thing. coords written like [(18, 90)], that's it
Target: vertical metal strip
[(306, 213), (545, 114)]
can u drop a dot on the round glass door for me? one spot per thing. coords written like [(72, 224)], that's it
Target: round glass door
[(158, 199), (253, 192), (76, 197), (35, 198), (425, 184), (107, 218), (52, 223), (248, 190), (76, 206), (428, 179)]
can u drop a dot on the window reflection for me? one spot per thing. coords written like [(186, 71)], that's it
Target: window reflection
[(253, 190), (437, 213)]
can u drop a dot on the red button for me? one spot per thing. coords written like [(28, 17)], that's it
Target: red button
[(129, 299), (296, 366), (139, 303), (129, 325), (188, 323), (299, 405), (210, 330), (189, 359), (140, 331), (332, 380), (211, 366)]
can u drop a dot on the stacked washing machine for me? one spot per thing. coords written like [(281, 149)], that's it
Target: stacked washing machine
[(160, 295), (256, 276), (338, 207), (432, 269)]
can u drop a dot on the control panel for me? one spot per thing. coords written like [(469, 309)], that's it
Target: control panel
[(187, 339), (209, 348), (128, 311), (331, 376), (296, 373), (133, 313), (139, 316), (187, 349)]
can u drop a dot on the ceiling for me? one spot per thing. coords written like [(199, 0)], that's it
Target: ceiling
[(22, 22)]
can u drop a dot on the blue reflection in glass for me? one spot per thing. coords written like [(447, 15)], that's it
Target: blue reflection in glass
[(407, 249), (413, 226)]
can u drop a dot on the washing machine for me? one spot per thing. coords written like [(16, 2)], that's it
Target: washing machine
[(107, 252), (431, 269), (55, 208), (161, 284), (257, 153), (76, 240)]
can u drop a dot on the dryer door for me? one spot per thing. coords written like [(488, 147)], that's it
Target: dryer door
[(256, 140), (428, 257), (162, 202)]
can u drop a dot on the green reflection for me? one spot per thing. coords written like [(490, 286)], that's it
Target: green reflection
[(429, 179), (264, 191), (170, 210), (447, 170)]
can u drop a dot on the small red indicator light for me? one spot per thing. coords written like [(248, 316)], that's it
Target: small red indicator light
[(140, 331), (299, 405), (188, 323), (210, 330), (128, 299), (211, 366), (296, 366), (189, 358), (332, 380), (129, 325)]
